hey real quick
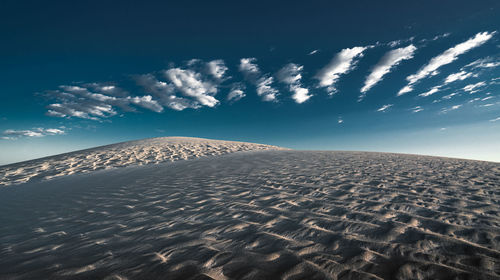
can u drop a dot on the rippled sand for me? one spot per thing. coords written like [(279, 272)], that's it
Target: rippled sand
[(259, 215), (140, 152)]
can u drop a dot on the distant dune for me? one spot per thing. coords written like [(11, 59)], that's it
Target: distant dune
[(140, 152), (260, 215)]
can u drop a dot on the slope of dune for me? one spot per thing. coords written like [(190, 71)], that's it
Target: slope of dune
[(140, 152), (259, 215)]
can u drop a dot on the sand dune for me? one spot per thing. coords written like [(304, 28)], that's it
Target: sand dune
[(259, 215), (147, 151)]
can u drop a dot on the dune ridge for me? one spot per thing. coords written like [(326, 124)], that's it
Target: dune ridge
[(139, 152)]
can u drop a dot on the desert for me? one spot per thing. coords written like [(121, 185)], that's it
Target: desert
[(260, 212)]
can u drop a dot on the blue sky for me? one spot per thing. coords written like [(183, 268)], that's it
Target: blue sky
[(403, 76)]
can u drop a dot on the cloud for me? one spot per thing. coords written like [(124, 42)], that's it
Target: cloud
[(265, 90), (460, 76), (396, 43), (390, 60), (291, 75), (80, 110), (11, 134), (452, 108), (447, 57), (313, 52), (417, 109), (431, 91), (191, 84), (95, 101), (495, 120), (342, 63), (165, 93), (384, 108), (263, 83), (147, 102), (236, 93), (249, 68), (449, 96), (487, 62), (473, 88), (217, 68)]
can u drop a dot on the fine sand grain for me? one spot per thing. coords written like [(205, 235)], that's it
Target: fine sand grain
[(259, 215), (140, 152)]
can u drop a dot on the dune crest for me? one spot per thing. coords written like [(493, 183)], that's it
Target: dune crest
[(139, 152)]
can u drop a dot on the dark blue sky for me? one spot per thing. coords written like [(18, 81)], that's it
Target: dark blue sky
[(76, 75)]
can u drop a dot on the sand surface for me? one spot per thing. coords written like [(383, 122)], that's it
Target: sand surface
[(259, 215), (140, 152)]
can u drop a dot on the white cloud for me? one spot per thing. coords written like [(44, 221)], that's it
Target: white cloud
[(417, 109), (191, 84), (236, 93), (495, 120), (447, 57), (291, 75), (263, 83), (437, 37), (342, 63), (390, 60), (452, 108), (449, 96), (384, 108), (11, 134), (431, 91), (473, 88), (487, 62), (313, 52), (265, 90), (459, 76), (249, 68), (217, 68), (95, 101), (165, 93), (147, 102), (81, 110)]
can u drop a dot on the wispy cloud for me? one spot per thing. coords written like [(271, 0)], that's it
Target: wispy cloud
[(342, 63), (313, 52), (253, 75), (390, 60), (291, 75), (495, 120), (459, 76), (236, 92), (452, 108), (447, 57), (384, 107), (487, 62), (11, 134), (473, 88), (396, 43), (417, 109), (431, 91)]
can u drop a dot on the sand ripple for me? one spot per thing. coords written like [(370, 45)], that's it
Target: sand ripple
[(260, 215)]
